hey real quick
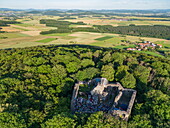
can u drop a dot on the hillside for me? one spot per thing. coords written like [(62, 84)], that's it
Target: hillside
[(36, 86)]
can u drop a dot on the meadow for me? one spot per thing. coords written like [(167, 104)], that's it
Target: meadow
[(47, 40), (104, 38)]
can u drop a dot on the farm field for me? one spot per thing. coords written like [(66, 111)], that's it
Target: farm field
[(46, 40), (150, 53), (12, 35), (28, 33), (115, 22), (104, 38), (89, 38)]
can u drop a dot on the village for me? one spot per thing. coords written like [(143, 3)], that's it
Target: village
[(145, 46), (100, 95)]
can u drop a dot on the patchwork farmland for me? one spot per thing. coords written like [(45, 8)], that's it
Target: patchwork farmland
[(28, 33)]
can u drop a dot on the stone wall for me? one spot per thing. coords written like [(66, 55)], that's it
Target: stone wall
[(74, 96), (131, 102)]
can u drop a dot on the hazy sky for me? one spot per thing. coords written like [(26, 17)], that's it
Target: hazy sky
[(86, 4)]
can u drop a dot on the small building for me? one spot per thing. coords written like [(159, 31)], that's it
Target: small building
[(159, 45), (141, 45), (154, 45), (147, 42), (144, 45), (131, 49)]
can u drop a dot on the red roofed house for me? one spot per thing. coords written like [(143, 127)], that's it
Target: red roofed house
[(159, 45), (141, 45)]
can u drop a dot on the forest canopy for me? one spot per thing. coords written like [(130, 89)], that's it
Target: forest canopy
[(157, 31), (36, 86)]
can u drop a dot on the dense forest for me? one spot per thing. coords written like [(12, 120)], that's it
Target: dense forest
[(36, 86), (63, 26), (131, 19), (157, 31)]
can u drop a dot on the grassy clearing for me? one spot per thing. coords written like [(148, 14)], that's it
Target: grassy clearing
[(21, 28), (24, 25), (31, 22), (114, 41), (46, 40), (150, 53), (73, 26), (165, 44), (87, 35), (58, 34), (13, 35), (68, 37), (123, 47), (104, 38), (102, 44)]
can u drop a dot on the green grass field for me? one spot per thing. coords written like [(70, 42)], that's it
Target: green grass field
[(24, 25), (104, 38), (150, 53), (46, 40), (112, 42), (123, 47), (13, 35), (58, 34), (21, 29)]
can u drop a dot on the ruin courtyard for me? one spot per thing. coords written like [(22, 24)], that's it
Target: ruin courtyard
[(100, 95)]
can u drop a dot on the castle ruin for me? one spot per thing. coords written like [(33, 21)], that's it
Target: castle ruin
[(99, 95)]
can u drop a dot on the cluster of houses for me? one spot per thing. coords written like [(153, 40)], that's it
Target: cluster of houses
[(7, 14), (120, 19), (145, 46)]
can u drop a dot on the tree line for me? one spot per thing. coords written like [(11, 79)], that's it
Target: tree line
[(156, 31)]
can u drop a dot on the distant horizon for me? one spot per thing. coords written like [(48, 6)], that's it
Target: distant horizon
[(87, 4), (75, 9)]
